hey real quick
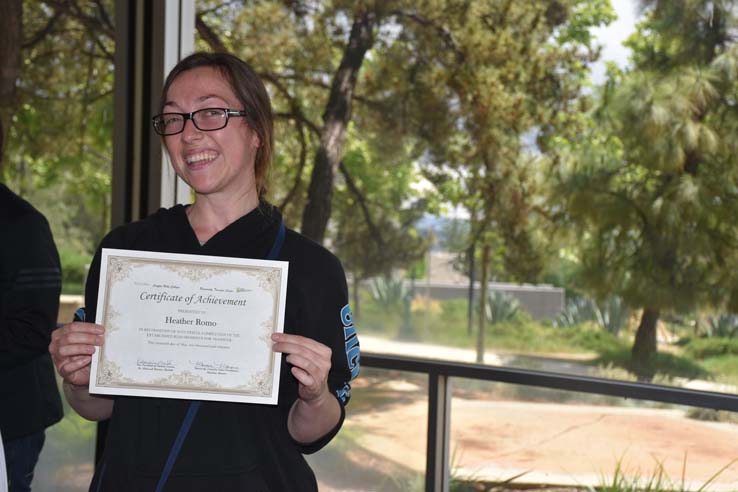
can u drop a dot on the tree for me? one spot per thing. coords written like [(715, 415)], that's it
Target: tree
[(381, 235), (650, 182), (11, 33), (527, 79), (60, 137)]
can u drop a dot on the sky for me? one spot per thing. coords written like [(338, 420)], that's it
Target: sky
[(612, 37)]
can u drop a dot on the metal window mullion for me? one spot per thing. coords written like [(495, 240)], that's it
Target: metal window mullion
[(437, 477)]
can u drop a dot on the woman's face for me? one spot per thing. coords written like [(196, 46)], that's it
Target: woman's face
[(215, 163)]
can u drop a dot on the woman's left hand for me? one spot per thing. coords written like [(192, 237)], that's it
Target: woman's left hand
[(311, 362)]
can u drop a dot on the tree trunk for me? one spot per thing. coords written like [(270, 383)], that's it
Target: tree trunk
[(482, 297), (644, 347), (11, 33), (470, 295), (336, 119)]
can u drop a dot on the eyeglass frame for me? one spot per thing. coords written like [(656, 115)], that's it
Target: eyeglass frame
[(190, 116)]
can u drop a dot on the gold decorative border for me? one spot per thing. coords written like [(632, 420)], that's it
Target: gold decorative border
[(120, 268)]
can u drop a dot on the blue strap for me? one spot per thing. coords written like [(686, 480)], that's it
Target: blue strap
[(183, 430), (278, 241), (195, 405)]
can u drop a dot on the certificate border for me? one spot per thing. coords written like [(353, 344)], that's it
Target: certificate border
[(187, 391)]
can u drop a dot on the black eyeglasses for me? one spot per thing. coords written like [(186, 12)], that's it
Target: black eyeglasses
[(207, 120)]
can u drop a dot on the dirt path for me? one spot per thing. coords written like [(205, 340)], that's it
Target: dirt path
[(495, 438), (560, 444)]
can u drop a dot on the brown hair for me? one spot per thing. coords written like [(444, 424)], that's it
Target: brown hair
[(251, 93)]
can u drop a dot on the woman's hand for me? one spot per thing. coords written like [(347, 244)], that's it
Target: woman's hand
[(316, 411), (311, 362), (71, 349)]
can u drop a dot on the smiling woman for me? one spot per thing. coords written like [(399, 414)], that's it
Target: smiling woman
[(216, 125)]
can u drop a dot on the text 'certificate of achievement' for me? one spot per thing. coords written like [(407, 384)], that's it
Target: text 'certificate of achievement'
[(189, 326)]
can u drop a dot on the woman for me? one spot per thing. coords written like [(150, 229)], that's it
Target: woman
[(216, 125)]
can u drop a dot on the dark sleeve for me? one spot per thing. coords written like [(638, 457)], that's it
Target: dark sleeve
[(31, 290), (337, 330)]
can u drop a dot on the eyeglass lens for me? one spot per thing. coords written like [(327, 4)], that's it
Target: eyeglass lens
[(207, 119)]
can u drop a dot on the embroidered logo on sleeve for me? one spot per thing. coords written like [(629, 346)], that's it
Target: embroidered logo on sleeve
[(351, 342)]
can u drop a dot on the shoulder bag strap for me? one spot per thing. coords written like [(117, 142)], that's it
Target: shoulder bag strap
[(195, 405)]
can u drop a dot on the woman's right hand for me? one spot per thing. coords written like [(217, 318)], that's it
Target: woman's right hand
[(71, 349)]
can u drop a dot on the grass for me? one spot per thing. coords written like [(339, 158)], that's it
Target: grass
[(656, 481), (723, 367), (448, 325), (667, 365), (445, 323)]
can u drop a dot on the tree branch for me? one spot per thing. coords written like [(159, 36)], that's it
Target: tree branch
[(219, 7), (208, 34), (376, 233), (445, 34), (93, 23), (103, 15), (39, 35), (300, 167), (296, 112), (377, 106)]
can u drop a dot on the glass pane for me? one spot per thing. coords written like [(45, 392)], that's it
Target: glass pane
[(538, 436), (438, 328), (66, 461), (382, 445)]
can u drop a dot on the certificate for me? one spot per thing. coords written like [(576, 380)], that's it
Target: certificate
[(189, 326)]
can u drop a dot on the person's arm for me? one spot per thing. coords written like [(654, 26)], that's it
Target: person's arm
[(71, 350), (324, 361), (31, 297), (88, 406), (317, 411)]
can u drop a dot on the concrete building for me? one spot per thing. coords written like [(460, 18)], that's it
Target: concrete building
[(541, 301)]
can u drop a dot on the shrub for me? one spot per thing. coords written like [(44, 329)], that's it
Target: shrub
[(501, 307), (388, 292), (701, 348), (723, 326), (577, 311), (610, 314), (74, 270)]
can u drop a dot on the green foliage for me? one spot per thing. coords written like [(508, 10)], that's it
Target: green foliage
[(585, 14), (702, 348), (60, 139), (648, 179), (664, 364), (610, 314), (377, 235), (501, 307), (388, 292), (722, 326), (588, 337), (577, 310), (724, 368), (655, 481), (74, 270)]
